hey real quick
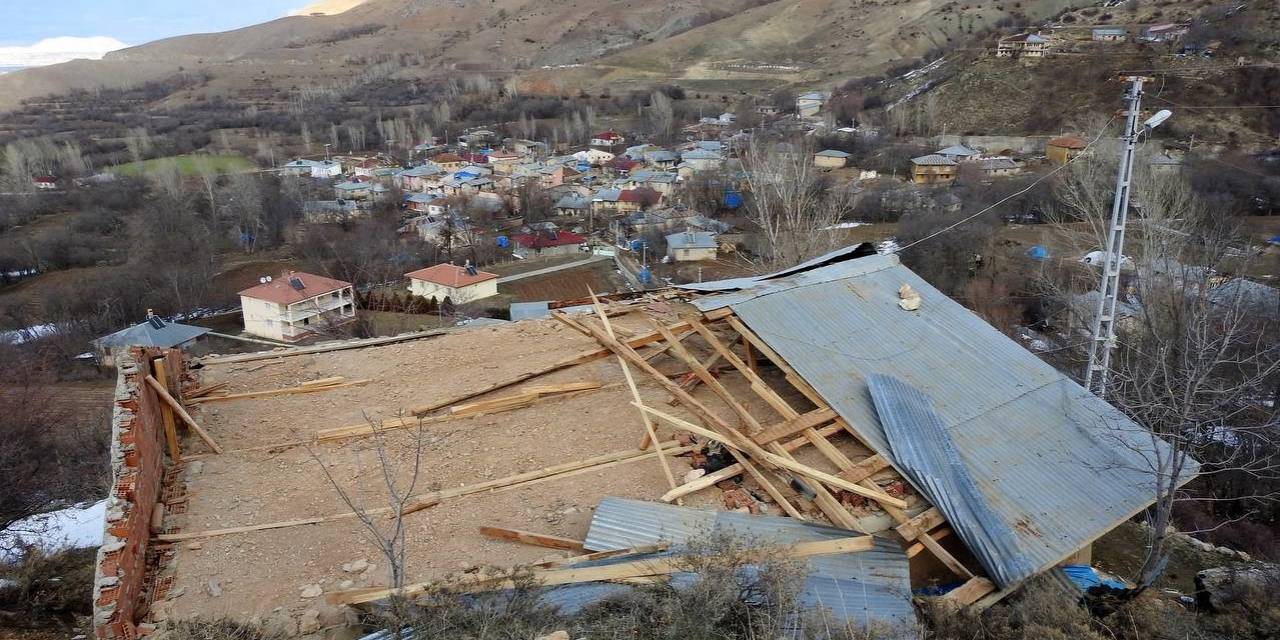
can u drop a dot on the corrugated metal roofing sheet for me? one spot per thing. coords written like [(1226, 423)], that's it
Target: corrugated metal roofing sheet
[(862, 587), (1058, 464), (927, 455), (145, 334), (832, 257)]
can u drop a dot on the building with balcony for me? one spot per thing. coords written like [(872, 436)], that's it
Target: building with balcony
[(296, 306)]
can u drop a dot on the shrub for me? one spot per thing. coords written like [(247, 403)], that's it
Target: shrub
[(49, 588), (219, 629)]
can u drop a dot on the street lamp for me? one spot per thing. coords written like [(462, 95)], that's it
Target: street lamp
[(1104, 327)]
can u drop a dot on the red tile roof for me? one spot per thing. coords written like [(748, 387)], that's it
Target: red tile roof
[(450, 275), (623, 163), (446, 158), (607, 135), (280, 291), (637, 195), (544, 240), (1068, 142)]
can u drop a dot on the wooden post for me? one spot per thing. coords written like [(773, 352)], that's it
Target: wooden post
[(166, 412), (649, 431), (182, 413)]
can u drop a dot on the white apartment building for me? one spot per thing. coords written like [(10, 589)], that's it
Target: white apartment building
[(297, 305)]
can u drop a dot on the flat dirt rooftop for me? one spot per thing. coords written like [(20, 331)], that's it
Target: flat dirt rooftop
[(265, 475)]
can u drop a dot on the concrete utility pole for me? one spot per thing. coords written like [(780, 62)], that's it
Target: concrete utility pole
[(1104, 328)]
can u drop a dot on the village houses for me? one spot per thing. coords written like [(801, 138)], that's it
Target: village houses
[(296, 305), (459, 284)]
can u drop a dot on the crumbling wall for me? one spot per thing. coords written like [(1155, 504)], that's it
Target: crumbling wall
[(138, 469)]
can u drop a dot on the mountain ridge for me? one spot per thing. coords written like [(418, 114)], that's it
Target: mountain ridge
[(573, 43)]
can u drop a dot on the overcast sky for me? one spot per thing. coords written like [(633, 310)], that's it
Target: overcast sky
[(113, 22)]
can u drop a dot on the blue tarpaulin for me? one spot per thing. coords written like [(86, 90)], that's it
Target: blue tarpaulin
[(1086, 577)]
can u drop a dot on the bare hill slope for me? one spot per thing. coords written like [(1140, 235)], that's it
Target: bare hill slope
[(613, 41)]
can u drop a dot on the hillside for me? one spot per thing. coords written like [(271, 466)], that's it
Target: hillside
[(577, 43)]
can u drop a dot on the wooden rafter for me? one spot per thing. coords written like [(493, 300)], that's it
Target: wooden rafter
[(860, 472)]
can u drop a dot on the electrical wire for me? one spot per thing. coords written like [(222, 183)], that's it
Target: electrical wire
[(1012, 195), (1228, 106)]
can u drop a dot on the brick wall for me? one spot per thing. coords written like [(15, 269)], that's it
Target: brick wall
[(138, 468)]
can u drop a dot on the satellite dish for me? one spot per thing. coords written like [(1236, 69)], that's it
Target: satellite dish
[(262, 280), (268, 278)]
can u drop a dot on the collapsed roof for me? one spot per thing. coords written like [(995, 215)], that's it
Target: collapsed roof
[(1058, 465)]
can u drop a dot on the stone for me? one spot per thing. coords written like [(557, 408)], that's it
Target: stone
[(312, 591), (1244, 556), (195, 546), (309, 622), (555, 635), (332, 616), (195, 467), (356, 566), (1226, 551), (694, 474), (214, 588), (280, 625), (346, 584), (1221, 587)]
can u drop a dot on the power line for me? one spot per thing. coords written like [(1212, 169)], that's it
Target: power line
[(1228, 106), (1012, 195), (1214, 67)]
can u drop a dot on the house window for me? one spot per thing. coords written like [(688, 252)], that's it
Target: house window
[(349, 308), (306, 321), (335, 295)]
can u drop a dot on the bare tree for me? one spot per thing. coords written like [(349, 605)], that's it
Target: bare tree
[(661, 115), (1196, 357), (386, 532), (791, 203)]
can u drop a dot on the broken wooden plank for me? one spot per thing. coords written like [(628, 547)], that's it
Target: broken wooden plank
[(212, 533), (864, 469), (730, 471), (364, 428), (920, 524), (582, 358), (177, 407), (431, 499), (573, 574), (341, 346), (321, 382), (628, 454), (815, 418), (918, 547), (764, 482), (199, 392), (566, 387), (531, 538), (804, 470), (650, 434), (969, 592), (166, 412), (286, 391), (604, 555)]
